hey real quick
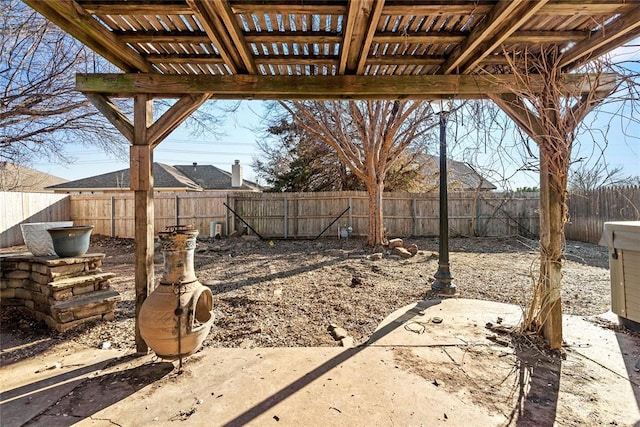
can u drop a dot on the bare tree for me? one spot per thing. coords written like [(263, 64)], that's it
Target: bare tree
[(587, 178), (487, 139), (369, 137), (40, 110), (292, 160)]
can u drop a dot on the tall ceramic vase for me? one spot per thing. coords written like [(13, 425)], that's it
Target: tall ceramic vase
[(176, 318)]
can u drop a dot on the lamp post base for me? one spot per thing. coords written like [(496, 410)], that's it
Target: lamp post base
[(442, 284)]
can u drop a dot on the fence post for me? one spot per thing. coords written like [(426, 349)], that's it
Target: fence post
[(226, 215), (286, 216), (177, 210), (235, 207), (414, 215), (296, 219), (113, 216), (475, 219)]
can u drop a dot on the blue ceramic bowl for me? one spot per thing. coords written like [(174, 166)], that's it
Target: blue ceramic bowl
[(71, 241)]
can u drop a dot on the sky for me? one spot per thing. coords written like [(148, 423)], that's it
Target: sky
[(611, 138), (238, 141)]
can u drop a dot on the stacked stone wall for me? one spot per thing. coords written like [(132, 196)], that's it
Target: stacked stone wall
[(62, 292)]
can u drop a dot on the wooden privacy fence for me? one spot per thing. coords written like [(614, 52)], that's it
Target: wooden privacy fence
[(113, 214), (17, 208), (588, 211), (306, 215)]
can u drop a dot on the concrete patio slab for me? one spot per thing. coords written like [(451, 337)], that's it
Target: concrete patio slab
[(413, 371)]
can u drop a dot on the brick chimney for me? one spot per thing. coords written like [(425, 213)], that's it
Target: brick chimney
[(236, 174)]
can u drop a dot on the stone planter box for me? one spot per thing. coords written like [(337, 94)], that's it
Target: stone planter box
[(62, 292), (37, 238)]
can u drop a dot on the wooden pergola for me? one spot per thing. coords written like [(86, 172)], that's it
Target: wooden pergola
[(195, 50)]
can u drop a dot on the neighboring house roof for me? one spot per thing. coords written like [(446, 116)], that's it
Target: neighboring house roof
[(21, 178), (169, 177), (165, 177), (461, 176), (210, 177)]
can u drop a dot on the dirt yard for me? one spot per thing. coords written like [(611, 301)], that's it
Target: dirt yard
[(287, 293)]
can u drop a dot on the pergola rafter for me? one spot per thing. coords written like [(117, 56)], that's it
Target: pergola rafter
[(194, 50), (501, 12), (622, 30), (235, 33), (349, 37), (73, 19), (513, 20)]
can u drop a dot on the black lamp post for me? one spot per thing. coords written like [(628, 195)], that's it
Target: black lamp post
[(442, 284)]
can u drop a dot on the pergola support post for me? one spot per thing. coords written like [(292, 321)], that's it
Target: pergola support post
[(554, 143), (552, 200), (145, 135), (142, 186), (545, 311)]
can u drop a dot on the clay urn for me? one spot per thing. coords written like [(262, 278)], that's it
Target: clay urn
[(176, 317)]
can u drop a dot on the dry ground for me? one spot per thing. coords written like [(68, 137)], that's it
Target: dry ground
[(287, 293)]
